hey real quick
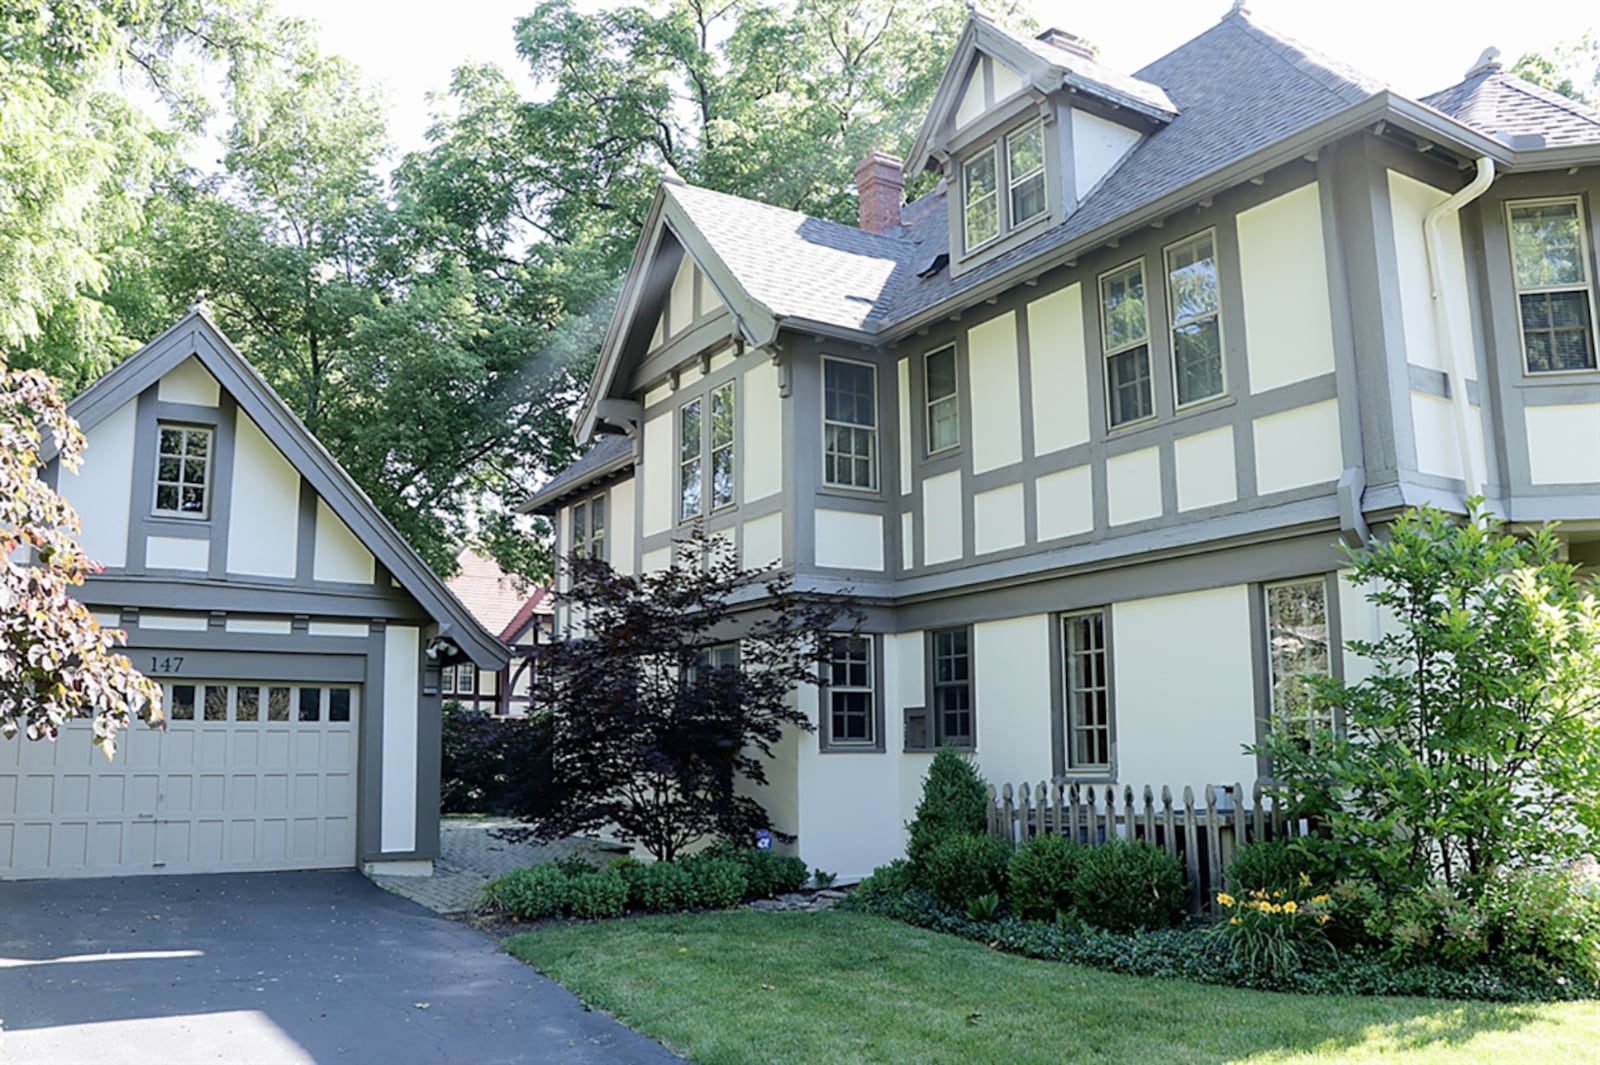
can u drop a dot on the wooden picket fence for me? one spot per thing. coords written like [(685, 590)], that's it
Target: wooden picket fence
[(1202, 837)]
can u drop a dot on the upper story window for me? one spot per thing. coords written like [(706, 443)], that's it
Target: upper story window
[(1550, 258), (1125, 329), (183, 472), (1196, 310), (1297, 647), (849, 424), (589, 528), (939, 380), (1025, 170), (696, 436), (1016, 165), (711, 659)]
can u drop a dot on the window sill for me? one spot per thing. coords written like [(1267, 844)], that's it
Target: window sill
[(850, 748), (842, 492), (1556, 378)]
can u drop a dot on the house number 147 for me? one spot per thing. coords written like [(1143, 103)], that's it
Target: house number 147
[(167, 664)]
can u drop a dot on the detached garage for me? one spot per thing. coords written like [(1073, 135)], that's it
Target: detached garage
[(298, 640)]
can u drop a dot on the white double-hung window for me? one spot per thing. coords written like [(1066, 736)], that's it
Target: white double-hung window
[(849, 424), (944, 414), (1550, 256), (1003, 186), (1297, 648), (1195, 302), (183, 471), (1125, 331), (698, 438)]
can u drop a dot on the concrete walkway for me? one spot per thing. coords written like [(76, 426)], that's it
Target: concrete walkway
[(469, 857)]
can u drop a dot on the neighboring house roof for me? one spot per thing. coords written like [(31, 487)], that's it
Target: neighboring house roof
[(502, 603), (195, 335), (1501, 103), (607, 455)]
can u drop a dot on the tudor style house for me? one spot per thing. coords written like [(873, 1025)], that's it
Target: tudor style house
[(298, 640), (1085, 425), (520, 616)]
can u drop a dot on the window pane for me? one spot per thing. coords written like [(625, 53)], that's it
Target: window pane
[(722, 416), (982, 199), (1027, 200), (197, 443), (1192, 280), (1197, 352), (339, 704), (1556, 331), (722, 477), (216, 703), (183, 702), (1547, 245), (1130, 386), (944, 428), (597, 516), (277, 704), (851, 389), (310, 704), (249, 705), (580, 528), (1025, 161), (194, 471), (689, 502), (1297, 645), (1088, 699), (172, 442), (167, 497), (193, 501), (689, 431), (170, 470), (1122, 307)]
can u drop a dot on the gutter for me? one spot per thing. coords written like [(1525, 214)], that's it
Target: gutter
[(1444, 326)]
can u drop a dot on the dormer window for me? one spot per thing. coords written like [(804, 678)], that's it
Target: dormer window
[(1019, 170)]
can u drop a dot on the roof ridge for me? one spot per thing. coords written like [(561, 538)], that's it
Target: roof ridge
[(1310, 62), (842, 227)]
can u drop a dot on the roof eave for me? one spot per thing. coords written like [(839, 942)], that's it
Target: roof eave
[(1380, 106), (544, 502)]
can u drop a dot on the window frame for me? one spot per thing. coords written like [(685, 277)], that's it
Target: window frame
[(712, 449), (827, 741), (992, 150), (875, 456), (584, 546), (1586, 241), (1262, 626), (186, 428), (1107, 354), (698, 458), (1173, 325), (953, 398), (1066, 764), (940, 737), (1012, 223)]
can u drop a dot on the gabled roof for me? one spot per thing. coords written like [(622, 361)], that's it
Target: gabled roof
[(502, 603), (1046, 66), (1506, 105), (195, 335), (607, 455)]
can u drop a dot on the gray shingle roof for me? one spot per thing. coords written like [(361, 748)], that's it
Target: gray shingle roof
[(1500, 103), (608, 452), (1089, 74), (796, 265)]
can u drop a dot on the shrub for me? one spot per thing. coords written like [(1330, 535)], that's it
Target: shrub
[(663, 887), (961, 868), (1040, 876), (1549, 915), (715, 883), (1125, 885), (491, 764), (1273, 865), (768, 874), (574, 866), (886, 881), (954, 803), (601, 893), (530, 894)]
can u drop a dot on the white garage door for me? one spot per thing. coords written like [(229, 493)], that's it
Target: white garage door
[(248, 776)]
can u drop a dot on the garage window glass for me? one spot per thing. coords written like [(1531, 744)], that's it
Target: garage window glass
[(277, 704), (183, 471), (339, 704), (249, 707), (182, 702), (310, 704)]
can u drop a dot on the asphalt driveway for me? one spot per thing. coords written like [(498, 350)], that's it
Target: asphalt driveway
[(274, 968)]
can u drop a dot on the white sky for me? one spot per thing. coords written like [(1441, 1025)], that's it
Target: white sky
[(1415, 45)]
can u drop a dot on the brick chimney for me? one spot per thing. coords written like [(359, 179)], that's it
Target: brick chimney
[(880, 188), (1068, 42)]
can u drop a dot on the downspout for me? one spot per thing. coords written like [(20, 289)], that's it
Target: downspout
[(1455, 357)]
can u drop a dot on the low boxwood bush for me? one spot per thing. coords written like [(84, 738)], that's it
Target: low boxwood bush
[(715, 883), (663, 887), (1040, 876), (886, 881), (1126, 885), (596, 894), (767, 873), (530, 894), (960, 868)]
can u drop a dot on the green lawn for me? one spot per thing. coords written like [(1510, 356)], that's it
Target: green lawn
[(744, 988)]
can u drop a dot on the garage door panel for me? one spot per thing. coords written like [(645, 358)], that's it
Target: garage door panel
[(248, 775)]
